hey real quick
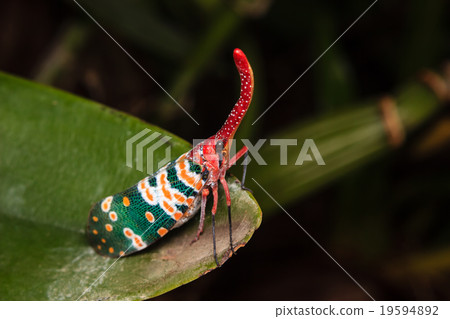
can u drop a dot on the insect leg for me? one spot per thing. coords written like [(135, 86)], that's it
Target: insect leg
[(243, 152), (213, 211), (244, 173), (205, 193), (238, 155), (228, 197)]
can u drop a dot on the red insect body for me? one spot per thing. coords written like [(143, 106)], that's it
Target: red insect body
[(213, 153)]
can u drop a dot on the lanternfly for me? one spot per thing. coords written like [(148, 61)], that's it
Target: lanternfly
[(131, 220)]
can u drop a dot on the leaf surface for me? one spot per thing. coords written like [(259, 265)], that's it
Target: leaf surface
[(59, 154)]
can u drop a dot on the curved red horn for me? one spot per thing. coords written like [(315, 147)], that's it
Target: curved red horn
[(240, 108)]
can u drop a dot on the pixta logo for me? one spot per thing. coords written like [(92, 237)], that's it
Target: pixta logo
[(140, 148), (309, 151)]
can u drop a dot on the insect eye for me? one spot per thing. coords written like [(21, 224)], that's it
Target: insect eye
[(219, 147)]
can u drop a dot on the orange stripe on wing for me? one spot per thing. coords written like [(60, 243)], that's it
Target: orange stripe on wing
[(106, 203), (162, 231), (177, 215), (188, 179), (168, 207), (166, 192), (150, 217), (128, 232), (113, 216), (189, 201), (138, 241), (162, 179), (149, 196), (182, 165), (180, 198), (199, 185)]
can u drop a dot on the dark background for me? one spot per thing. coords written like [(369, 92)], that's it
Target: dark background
[(386, 222)]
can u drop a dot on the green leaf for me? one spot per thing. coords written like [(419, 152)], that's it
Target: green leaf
[(59, 154)]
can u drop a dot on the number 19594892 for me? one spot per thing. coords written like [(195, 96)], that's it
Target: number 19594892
[(409, 310)]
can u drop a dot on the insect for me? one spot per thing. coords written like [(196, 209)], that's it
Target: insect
[(131, 220)]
